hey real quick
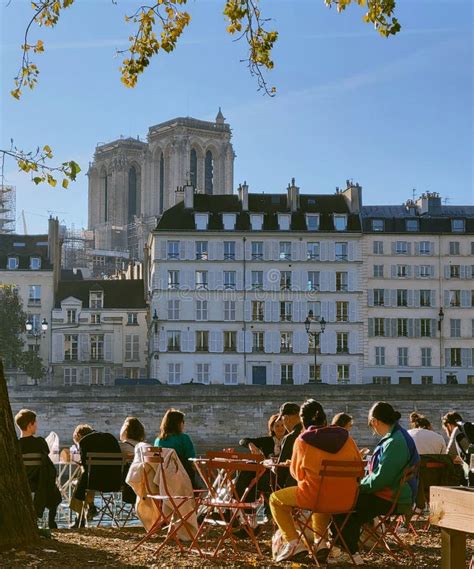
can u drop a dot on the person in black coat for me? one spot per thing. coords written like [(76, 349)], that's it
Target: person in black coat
[(271, 444), (42, 479), (290, 414)]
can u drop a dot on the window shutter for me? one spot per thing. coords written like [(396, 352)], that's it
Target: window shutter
[(466, 298), (325, 280), (323, 251), (332, 311), (417, 294), (212, 279), (411, 328), (275, 342), (241, 248), (446, 298), (417, 271), (190, 253), (434, 327), (304, 343), (447, 271), (409, 271), (352, 311), (275, 251), (267, 343), (182, 250), (462, 271), (163, 341), (239, 279), (352, 281), (128, 347), (394, 271), (433, 298), (386, 297), (353, 343), (331, 281), (276, 374), (447, 357), (86, 376), (409, 248), (331, 251), (325, 310), (298, 374), (432, 271), (351, 251), (247, 310), (417, 328), (410, 297), (240, 342), (371, 327), (394, 248), (393, 327), (296, 281), (370, 295), (296, 316), (58, 348), (267, 310), (393, 297), (466, 357), (107, 375), (216, 251), (275, 311), (386, 325), (163, 249), (267, 251), (108, 347), (297, 342), (84, 347), (295, 251), (417, 248)]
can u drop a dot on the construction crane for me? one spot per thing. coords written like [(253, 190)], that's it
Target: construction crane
[(25, 230)]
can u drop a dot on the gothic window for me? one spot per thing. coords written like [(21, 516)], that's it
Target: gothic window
[(162, 182), (132, 193), (106, 197), (209, 173), (193, 165)]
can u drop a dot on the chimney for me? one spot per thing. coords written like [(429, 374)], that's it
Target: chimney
[(430, 203), (244, 196), (353, 196), (188, 196), (293, 196)]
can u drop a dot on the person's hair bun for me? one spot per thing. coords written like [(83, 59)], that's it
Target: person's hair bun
[(414, 416)]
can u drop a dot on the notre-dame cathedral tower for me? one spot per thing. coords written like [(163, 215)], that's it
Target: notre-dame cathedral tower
[(132, 182)]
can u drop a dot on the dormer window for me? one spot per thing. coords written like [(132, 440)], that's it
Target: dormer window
[(228, 220), (312, 222), (340, 222), (96, 299), (377, 225), (411, 225), (458, 225), (284, 221), (12, 263), (35, 263), (201, 220), (256, 221)]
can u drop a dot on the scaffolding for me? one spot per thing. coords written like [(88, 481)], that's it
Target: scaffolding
[(7, 209), (77, 244)]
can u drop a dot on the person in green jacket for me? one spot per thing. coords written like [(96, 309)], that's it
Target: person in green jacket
[(395, 452), (172, 435)]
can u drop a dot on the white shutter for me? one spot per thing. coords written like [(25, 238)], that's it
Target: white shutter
[(240, 248), (275, 251), (190, 252), (163, 249), (332, 281), (409, 248), (267, 251), (409, 271), (217, 249), (417, 248), (370, 297), (352, 311), (107, 375), (248, 341), (212, 279), (332, 372), (353, 343), (163, 341), (214, 340), (276, 374), (416, 301), (86, 376), (304, 340), (331, 311), (240, 342), (466, 298), (331, 251), (393, 297), (325, 280), (267, 311), (386, 297), (182, 250), (275, 311), (447, 271), (190, 340), (296, 281), (247, 310), (275, 342), (352, 280), (297, 374), (239, 279), (267, 342), (410, 299), (295, 251), (108, 347), (417, 271), (446, 298), (393, 271), (58, 348), (297, 342), (84, 347), (433, 298), (325, 310), (323, 251), (351, 251)]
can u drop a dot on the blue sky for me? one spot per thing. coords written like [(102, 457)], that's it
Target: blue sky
[(392, 114)]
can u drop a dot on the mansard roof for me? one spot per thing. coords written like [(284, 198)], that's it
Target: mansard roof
[(125, 294), (178, 218), (438, 221), (24, 247)]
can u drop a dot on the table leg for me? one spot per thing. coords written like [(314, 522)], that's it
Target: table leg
[(453, 549)]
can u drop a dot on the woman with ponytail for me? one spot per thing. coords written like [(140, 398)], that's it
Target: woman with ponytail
[(395, 452), (317, 442)]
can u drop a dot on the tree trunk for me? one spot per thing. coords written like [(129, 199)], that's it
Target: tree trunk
[(18, 525)]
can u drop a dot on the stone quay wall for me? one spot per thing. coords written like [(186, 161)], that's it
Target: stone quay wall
[(218, 416)]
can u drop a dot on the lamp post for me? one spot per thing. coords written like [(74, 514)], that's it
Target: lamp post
[(37, 333), (310, 325), (440, 330)]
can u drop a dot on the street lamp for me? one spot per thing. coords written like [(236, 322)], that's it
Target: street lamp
[(440, 318), (310, 323), (155, 322), (37, 333)]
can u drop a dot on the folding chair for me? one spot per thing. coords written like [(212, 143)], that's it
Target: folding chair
[(33, 462), (223, 507), (169, 514), (337, 494), (385, 528), (105, 486)]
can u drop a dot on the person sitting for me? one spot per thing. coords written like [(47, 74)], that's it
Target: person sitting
[(318, 442), (132, 432), (271, 444), (458, 445), (172, 435), (395, 452), (343, 420), (290, 415), (42, 479), (99, 478), (426, 440)]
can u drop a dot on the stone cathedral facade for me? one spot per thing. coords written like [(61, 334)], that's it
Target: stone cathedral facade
[(132, 182)]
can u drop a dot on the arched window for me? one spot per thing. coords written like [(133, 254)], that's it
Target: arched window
[(106, 196), (132, 193), (209, 173), (193, 165), (162, 182)]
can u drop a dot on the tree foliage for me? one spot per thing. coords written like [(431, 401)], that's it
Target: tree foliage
[(12, 327), (158, 27)]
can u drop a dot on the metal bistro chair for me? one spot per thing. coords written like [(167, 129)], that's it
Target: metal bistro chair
[(169, 507), (31, 460), (101, 479), (337, 494)]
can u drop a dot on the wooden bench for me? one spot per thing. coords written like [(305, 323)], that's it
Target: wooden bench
[(452, 509)]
